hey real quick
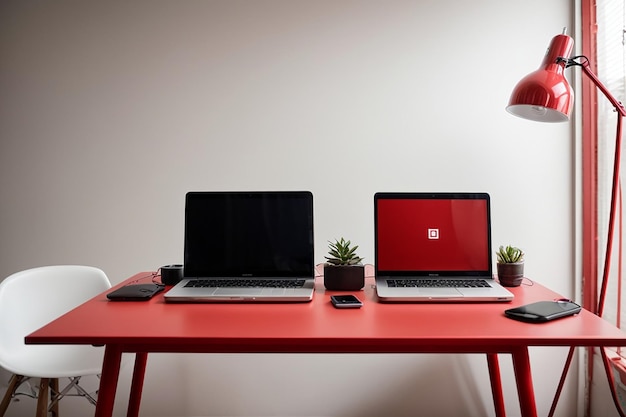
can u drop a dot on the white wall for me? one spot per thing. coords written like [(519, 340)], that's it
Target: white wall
[(110, 112)]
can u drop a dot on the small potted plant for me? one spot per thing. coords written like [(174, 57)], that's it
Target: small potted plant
[(343, 270), (510, 266)]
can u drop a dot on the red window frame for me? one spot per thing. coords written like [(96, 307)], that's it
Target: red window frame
[(590, 161)]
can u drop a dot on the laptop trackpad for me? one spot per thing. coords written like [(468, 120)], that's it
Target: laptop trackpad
[(234, 292), (440, 292)]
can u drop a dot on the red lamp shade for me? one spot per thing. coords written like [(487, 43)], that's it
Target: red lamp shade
[(545, 95)]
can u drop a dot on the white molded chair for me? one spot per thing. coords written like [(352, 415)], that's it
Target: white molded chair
[(29, 300)]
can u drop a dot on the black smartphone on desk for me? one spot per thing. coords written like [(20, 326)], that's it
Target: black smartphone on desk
[(543, 311), (135, 292), (345, 301)]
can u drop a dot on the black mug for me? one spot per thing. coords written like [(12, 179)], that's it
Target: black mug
[(171, 274)]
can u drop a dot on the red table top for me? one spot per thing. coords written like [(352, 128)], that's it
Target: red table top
[(318, 327)]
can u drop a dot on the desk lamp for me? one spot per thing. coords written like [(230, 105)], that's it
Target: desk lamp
[(545, 96)]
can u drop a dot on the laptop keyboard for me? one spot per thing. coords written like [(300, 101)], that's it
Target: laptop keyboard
[(439, 283), (245, 283)]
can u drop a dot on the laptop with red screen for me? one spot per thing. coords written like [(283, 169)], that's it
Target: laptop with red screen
[(434, 247)]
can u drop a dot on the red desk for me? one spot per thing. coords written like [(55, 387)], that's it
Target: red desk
[(317, 327)]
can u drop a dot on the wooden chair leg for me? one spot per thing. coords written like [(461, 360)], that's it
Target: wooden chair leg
[(42, 400), (54, 385), (13, 384)]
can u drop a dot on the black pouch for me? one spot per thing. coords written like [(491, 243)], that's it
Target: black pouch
[(543, 311), (135, 292)]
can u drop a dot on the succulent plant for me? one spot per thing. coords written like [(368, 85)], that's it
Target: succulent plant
[(509, 255), (341, 253)]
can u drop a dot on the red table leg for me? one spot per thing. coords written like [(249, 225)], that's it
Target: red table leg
[(496, 384), (108, 381), (524, 380), (136, 388)]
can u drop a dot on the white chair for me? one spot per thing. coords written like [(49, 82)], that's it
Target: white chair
[(29, 300)]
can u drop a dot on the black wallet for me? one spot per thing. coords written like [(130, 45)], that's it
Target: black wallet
[(543, 311), (135, 292)]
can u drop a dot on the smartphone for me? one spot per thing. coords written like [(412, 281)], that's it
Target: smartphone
[(135, 292), (543, 311), (345, 301)]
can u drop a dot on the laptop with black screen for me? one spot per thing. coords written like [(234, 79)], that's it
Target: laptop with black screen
[(247, 247), (434, 247)]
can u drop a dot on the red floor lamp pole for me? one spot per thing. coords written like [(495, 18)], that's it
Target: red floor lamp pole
[(545, 95)]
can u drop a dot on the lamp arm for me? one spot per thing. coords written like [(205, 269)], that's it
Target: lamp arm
[(619, 107), (612, 213)]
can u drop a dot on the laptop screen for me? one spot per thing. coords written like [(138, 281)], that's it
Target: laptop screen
[(249, 234), (433, 233)]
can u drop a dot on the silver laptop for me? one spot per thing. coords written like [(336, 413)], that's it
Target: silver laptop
[(247, 247), (434, 247)]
